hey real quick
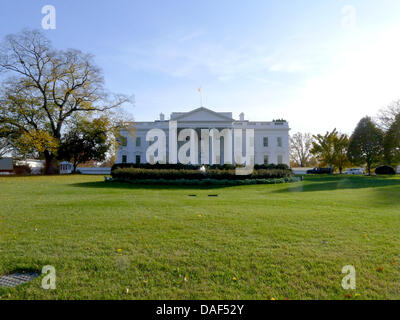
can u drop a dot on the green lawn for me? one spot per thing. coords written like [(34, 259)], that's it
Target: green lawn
[(287, 241)]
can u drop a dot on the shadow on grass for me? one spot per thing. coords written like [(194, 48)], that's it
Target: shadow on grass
[(28, 270), (341, 182)]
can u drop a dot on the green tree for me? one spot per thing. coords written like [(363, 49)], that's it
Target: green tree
[(392, 143), (366, 144), (340, 146), (45, 89), (86, 140), (324, 148), (331, 149)]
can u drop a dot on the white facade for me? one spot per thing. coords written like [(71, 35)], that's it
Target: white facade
[(271, 139)]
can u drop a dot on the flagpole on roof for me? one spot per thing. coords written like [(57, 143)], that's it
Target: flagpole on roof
[(201, 96)]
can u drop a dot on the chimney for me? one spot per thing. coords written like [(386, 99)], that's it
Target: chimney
[(162, 117), (241, 116)]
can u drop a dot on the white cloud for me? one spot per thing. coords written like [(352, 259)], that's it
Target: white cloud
[(363, 77)]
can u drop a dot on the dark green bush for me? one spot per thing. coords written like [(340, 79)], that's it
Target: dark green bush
[(216, 174), (281, 166), (385, 170), (177, 166), (22, 169), (207, 182), (180, 166)]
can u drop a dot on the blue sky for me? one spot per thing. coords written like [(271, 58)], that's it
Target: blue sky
[(318, 64)]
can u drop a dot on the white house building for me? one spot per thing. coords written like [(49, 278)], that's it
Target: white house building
[(271, 139)]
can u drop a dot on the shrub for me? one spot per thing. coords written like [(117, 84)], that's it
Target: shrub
[(208, 182), (166, 166), (221, 167), (180, 166), (281, 166), (215, 174), (385, 170), (22, 169)]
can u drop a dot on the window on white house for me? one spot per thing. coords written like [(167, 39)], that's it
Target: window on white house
[(123, 140), (280, 159), (265, 141), (279, 141), (138, 141), (266, 159), (137, 159), (124, 159)]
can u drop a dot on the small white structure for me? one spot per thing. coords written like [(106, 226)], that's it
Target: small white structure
[(65, 167), (398, 170)]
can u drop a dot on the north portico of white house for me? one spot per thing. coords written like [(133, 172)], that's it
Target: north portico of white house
[(270, 143)]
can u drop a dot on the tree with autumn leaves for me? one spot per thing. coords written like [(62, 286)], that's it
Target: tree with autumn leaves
[(44, 91), (331, 149), (371, 144)]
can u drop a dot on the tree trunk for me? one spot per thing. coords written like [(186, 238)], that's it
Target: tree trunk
[(50, 166)]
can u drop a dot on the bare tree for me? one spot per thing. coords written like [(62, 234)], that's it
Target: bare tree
[(5, 147), (387, 116), (300, 147), (46, 89)]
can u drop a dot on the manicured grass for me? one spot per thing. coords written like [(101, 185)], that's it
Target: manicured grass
[(287, 241)]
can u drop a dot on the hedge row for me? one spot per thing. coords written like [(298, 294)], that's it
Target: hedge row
[(207, 182), (179, 166), (174, 174), (167, 166)]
